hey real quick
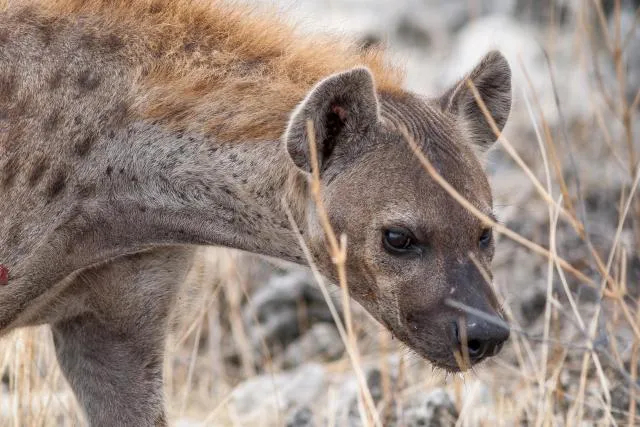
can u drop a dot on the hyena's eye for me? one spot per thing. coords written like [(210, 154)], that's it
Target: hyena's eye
[(485, 238), (398, 240)]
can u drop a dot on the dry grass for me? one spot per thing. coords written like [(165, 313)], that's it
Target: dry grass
[(559, 371)]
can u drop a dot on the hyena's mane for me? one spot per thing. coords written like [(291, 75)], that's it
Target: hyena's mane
[(213, 66)]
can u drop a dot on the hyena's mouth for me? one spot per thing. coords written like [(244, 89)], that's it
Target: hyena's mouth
[(456, 345)]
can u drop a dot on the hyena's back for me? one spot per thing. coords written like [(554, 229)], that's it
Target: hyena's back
[(65, 91)]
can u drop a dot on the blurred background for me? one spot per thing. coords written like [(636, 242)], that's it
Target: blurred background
[(255, 344)]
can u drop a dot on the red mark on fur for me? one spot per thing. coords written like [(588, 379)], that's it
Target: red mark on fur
[(4, 275)]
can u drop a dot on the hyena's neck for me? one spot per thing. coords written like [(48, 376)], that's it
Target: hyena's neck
[(156, 187), (191, 189)]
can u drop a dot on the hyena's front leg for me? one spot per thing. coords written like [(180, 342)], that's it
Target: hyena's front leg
[(117, 381), (112, 352)]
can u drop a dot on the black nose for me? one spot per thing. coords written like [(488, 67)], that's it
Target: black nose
[(481, 337)]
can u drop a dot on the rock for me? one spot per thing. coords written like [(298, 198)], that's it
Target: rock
[(543, 11), (268, 395), (533, 305), (409, 31), (374, 382), (435, 409), (347, 413), (280, 306), (303, 417), (322, 342)]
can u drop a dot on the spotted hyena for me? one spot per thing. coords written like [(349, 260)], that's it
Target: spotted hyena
[(132, 132)]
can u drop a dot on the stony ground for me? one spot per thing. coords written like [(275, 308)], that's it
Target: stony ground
[(257, 344)]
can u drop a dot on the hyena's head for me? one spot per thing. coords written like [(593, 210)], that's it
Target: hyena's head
[(417, 260)]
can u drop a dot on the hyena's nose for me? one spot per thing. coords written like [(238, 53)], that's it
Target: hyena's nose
[(481, 337)]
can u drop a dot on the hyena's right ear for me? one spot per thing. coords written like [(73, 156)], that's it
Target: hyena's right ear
[(340, 104)]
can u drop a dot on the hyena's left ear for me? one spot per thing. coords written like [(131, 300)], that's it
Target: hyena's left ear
[(338, 106), (492, 78)]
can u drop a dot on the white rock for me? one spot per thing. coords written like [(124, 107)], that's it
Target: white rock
[(520, 44), (268, 395), (433, 409), (321, 341)]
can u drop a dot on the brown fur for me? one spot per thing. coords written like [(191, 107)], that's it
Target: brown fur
[(187, 51)]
